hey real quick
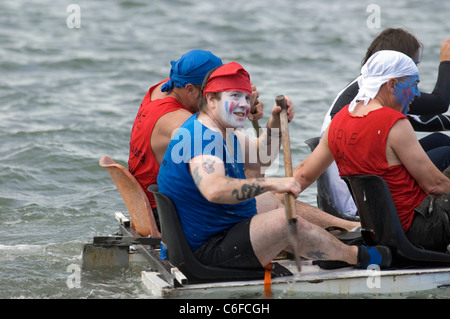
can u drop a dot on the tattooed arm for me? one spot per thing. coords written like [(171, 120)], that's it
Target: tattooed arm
[(209, 175)]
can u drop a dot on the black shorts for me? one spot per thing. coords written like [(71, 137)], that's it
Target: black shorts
[(231, 248), (430, 228)]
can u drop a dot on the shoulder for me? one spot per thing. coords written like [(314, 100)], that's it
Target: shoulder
[(401, 133), (344, 97), (173, 118), (155, 91)]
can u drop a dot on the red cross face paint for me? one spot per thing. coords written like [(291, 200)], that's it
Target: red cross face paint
[(406, 91), (234, 108)]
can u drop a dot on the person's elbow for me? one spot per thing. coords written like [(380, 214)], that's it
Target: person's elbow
[(301, 176), (212, 194)]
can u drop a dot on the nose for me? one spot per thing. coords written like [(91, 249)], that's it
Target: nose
[(417, 92), (244, 102)]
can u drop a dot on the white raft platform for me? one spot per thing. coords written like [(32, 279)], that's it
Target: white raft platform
[(162, 279), (311, 280)]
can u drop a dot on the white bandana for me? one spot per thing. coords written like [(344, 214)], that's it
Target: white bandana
[(381, 66)]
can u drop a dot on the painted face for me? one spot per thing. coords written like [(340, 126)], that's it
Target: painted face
[(406, 91), (234, 108)]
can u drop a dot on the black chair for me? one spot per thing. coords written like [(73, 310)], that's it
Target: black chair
[(179, 252), (381, 226), (324, 201)]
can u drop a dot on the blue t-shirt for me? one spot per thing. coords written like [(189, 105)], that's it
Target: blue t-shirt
[(200, 218)]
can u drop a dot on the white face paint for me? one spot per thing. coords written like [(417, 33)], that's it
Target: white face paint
[(234, 108)]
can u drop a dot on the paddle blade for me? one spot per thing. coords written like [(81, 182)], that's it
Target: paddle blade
[(293, 237)]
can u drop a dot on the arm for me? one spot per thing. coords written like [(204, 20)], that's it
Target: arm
[(262, 152), (438, 101), (315, 164), (403, 147), (430, 123), (163, 130), (209, 175)]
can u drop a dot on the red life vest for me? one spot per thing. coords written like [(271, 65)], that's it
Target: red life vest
[(358, 145), (142, 162)]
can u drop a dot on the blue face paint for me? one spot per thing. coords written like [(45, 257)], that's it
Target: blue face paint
[(406, 91)]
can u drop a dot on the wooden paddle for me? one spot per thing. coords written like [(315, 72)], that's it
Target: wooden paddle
[(289, 200)]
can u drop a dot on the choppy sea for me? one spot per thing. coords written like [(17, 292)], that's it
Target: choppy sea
[(73, 74)]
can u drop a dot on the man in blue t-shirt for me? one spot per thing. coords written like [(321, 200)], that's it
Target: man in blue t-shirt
[(228, 220)]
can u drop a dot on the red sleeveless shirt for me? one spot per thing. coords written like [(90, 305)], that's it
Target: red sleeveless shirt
[(142, 162), (358, 145)]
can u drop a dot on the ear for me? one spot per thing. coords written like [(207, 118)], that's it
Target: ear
[(191, 90), (211, 100), (391, 84), (209, 97)]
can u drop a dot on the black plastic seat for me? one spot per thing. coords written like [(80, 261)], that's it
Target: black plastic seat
[(381, 226), (179, 252), (324, 201)]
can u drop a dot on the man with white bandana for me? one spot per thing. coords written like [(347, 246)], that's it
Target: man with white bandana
[(372, 135), (427, 114)]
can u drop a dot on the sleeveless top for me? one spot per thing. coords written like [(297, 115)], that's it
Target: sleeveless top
[(142, 162), (358, 145), (201, 219)]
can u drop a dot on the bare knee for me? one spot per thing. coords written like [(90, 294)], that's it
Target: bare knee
[(267, 202), (303, 225)]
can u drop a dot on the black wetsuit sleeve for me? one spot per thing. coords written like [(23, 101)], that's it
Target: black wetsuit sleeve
[(345, 98), (438, 101), (430, 123)]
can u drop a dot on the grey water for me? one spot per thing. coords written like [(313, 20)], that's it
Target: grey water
[(73, 75)]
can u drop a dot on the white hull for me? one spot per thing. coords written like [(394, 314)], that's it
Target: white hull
[(164, 280), (313, 279)]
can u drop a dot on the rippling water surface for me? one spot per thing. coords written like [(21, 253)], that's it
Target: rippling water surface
[(70, 95)]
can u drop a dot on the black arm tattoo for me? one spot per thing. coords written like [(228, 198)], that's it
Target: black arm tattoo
[(247, 191), (208, 166)]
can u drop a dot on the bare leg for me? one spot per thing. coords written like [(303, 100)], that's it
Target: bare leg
[(269, 201), (321, 218), (269, 236)]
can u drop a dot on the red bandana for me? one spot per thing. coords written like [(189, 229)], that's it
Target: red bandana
[(228, 77)]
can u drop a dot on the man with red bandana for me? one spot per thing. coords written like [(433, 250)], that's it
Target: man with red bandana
[(166, 106), (228, 220)]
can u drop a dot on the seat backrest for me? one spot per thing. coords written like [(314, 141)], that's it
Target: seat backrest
[(380, 224), (178, 249), (179, 252), (134, 197), (379, 220)]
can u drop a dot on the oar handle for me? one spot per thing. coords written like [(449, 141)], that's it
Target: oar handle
[(288, 198)]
